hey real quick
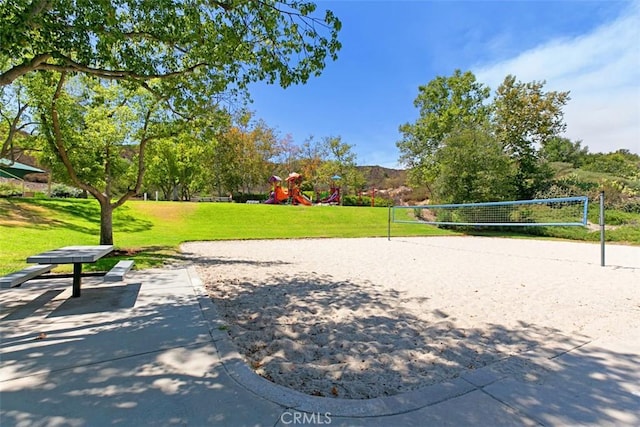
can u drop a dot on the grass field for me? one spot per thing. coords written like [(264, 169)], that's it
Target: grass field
[(150, 232)]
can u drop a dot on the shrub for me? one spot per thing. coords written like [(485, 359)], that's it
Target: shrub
[(65, 191), (630, 206), (365, 201), (9, 190), (243, 197)]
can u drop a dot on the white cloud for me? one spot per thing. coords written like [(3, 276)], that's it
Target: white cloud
[(600, 69)]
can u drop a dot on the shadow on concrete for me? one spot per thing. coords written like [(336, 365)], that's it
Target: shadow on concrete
[(153, 362), (30, 307), (137, 358), (99, 300)]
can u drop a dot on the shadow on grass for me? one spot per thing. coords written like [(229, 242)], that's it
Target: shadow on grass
[(146, 257), (70, 214)]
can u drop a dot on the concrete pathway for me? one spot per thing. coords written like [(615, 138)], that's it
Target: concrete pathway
[(153, 351)]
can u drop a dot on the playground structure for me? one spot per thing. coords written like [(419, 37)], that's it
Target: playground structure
[(278, 194), (334, 192), (297, 198), (293, 195)]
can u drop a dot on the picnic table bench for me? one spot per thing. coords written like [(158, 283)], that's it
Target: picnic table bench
[(76, 255), (118, 271), (19, 277)]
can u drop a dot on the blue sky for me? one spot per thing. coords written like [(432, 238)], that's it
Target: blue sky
[(389, 48)]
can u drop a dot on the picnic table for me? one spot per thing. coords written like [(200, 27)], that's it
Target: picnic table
[(76, 255)]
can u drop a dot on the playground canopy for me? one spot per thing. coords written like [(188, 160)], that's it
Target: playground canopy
[(16, 170)]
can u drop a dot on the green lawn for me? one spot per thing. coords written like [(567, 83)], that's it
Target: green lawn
[(150, 232)]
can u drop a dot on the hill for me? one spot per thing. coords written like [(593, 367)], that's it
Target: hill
[(383, 178)]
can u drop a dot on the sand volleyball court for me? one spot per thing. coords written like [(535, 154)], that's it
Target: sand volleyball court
[(365, 318)]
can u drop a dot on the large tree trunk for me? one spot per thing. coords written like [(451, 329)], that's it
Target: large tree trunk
[(106, 223)]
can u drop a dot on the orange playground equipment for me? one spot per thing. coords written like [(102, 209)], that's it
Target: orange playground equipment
[(290, 194), (297, 198), (278, 194)]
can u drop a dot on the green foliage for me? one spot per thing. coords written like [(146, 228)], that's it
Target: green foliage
[(524, 117), (244, 197), (175, 58), (444, 104), (65, 191), (621, 163), (217, 44), (366, 201), (439, 147), (152, 231), (96, 126), (16, 119), (240, 155), (9, 190), (341, 161), (178, 165), (558, 149), (473, 168), (631, 206)]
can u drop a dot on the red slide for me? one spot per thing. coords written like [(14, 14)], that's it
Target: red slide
[(300, 198)]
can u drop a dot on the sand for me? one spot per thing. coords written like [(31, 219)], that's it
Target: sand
[(365, 318)]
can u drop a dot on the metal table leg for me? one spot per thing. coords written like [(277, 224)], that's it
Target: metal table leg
[(77, 275)]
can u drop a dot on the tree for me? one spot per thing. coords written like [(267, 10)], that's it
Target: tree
[(218, 43), (526, 118), (15, 116), (559, 149), (187, 54), (287, 155), (473, 168), (341, 161), (241, 157), (89, 135), (176, 166), (312, 155), (162, 167), (444, 104)]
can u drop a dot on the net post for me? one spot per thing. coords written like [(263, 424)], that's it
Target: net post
[(389, 224), (602, 228)]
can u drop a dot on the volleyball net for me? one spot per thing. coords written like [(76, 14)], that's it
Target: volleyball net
[(561, 211)]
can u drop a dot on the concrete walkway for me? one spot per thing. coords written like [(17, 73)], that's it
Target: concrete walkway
[(152, 351)]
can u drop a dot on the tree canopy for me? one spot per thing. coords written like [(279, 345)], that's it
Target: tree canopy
[(444, 104), (525, 118), (456, 116), (220, 43)]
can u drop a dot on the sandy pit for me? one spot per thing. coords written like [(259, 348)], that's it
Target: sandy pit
[(364, 318)]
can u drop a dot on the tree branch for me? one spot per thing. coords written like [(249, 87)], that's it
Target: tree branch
[(13, 73), (58, 138), (40, 63)]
